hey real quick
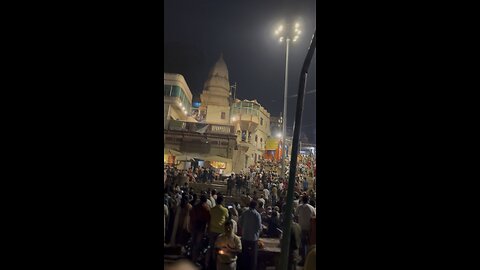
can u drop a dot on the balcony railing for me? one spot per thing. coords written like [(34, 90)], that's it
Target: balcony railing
[(200, 128)]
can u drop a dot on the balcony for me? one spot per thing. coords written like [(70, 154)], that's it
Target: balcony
[(200, 128), (247, 121)]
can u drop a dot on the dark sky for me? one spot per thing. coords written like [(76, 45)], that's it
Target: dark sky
[(197, 31)]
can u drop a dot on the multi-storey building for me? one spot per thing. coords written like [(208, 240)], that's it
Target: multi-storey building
[(227, 134), (252, 124), (177, 98)]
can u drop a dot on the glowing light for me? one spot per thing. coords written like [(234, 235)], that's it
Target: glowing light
[(281, 39), (297, 25), (279, 135)]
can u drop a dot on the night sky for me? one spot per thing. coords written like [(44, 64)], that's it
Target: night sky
[(196, 32)]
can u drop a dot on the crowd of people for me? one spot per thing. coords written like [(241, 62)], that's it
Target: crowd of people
[(208, 229)]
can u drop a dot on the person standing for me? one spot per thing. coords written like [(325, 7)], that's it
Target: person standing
[(218, 216), (251, 224), (165, 218), (295, 242), (305, 213), (305, 184), (274, 195), (228, 246), (238, 184), (181, 227), (274, 224), (262, 200), (230, 183), (266, 192), (210, 199), (199, 219)]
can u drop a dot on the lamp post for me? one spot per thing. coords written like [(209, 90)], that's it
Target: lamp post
[(286, 35)]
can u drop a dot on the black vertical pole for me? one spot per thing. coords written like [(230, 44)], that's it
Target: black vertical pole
[(284, 259)]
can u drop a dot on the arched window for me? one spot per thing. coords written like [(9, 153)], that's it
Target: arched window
[(256, 138)]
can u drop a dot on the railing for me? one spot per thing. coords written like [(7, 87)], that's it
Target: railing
[(200, 128)]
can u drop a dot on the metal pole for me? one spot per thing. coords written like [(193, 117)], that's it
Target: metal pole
[(284, 258), (284, 122)]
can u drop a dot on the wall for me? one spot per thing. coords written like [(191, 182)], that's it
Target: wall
[(214, 115)]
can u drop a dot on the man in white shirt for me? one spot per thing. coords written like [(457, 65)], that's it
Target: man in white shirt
[(267, 193), (211, 201), (261, 199), (305, 213)]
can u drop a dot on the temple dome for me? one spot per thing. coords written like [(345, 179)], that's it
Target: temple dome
[(218, 78), (220, 69)]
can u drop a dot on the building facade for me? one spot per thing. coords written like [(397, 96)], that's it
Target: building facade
[(252, 125), (227, 134), (177, 98)]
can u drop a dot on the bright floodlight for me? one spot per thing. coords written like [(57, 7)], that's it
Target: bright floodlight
[(299, 32), (276, 32), (279, 135), (280, 28), (297, 25), (281, 39)]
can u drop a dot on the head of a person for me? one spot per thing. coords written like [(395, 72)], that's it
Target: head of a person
[(214, 192), (260, 204), (185, 200), (232, 211), (203, 198), (228, 226), (305, 199), (219, 199), (253, 205)]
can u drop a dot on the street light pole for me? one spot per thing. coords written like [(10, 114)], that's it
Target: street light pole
[(284, 120), (287, 222)]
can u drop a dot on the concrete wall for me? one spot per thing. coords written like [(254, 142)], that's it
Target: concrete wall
[(214, 115)]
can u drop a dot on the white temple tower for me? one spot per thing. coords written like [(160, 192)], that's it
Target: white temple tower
[(215, 97)]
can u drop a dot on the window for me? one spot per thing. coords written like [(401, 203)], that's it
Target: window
[(256, 138), (223, 115), (261, 121), (177, 91)]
